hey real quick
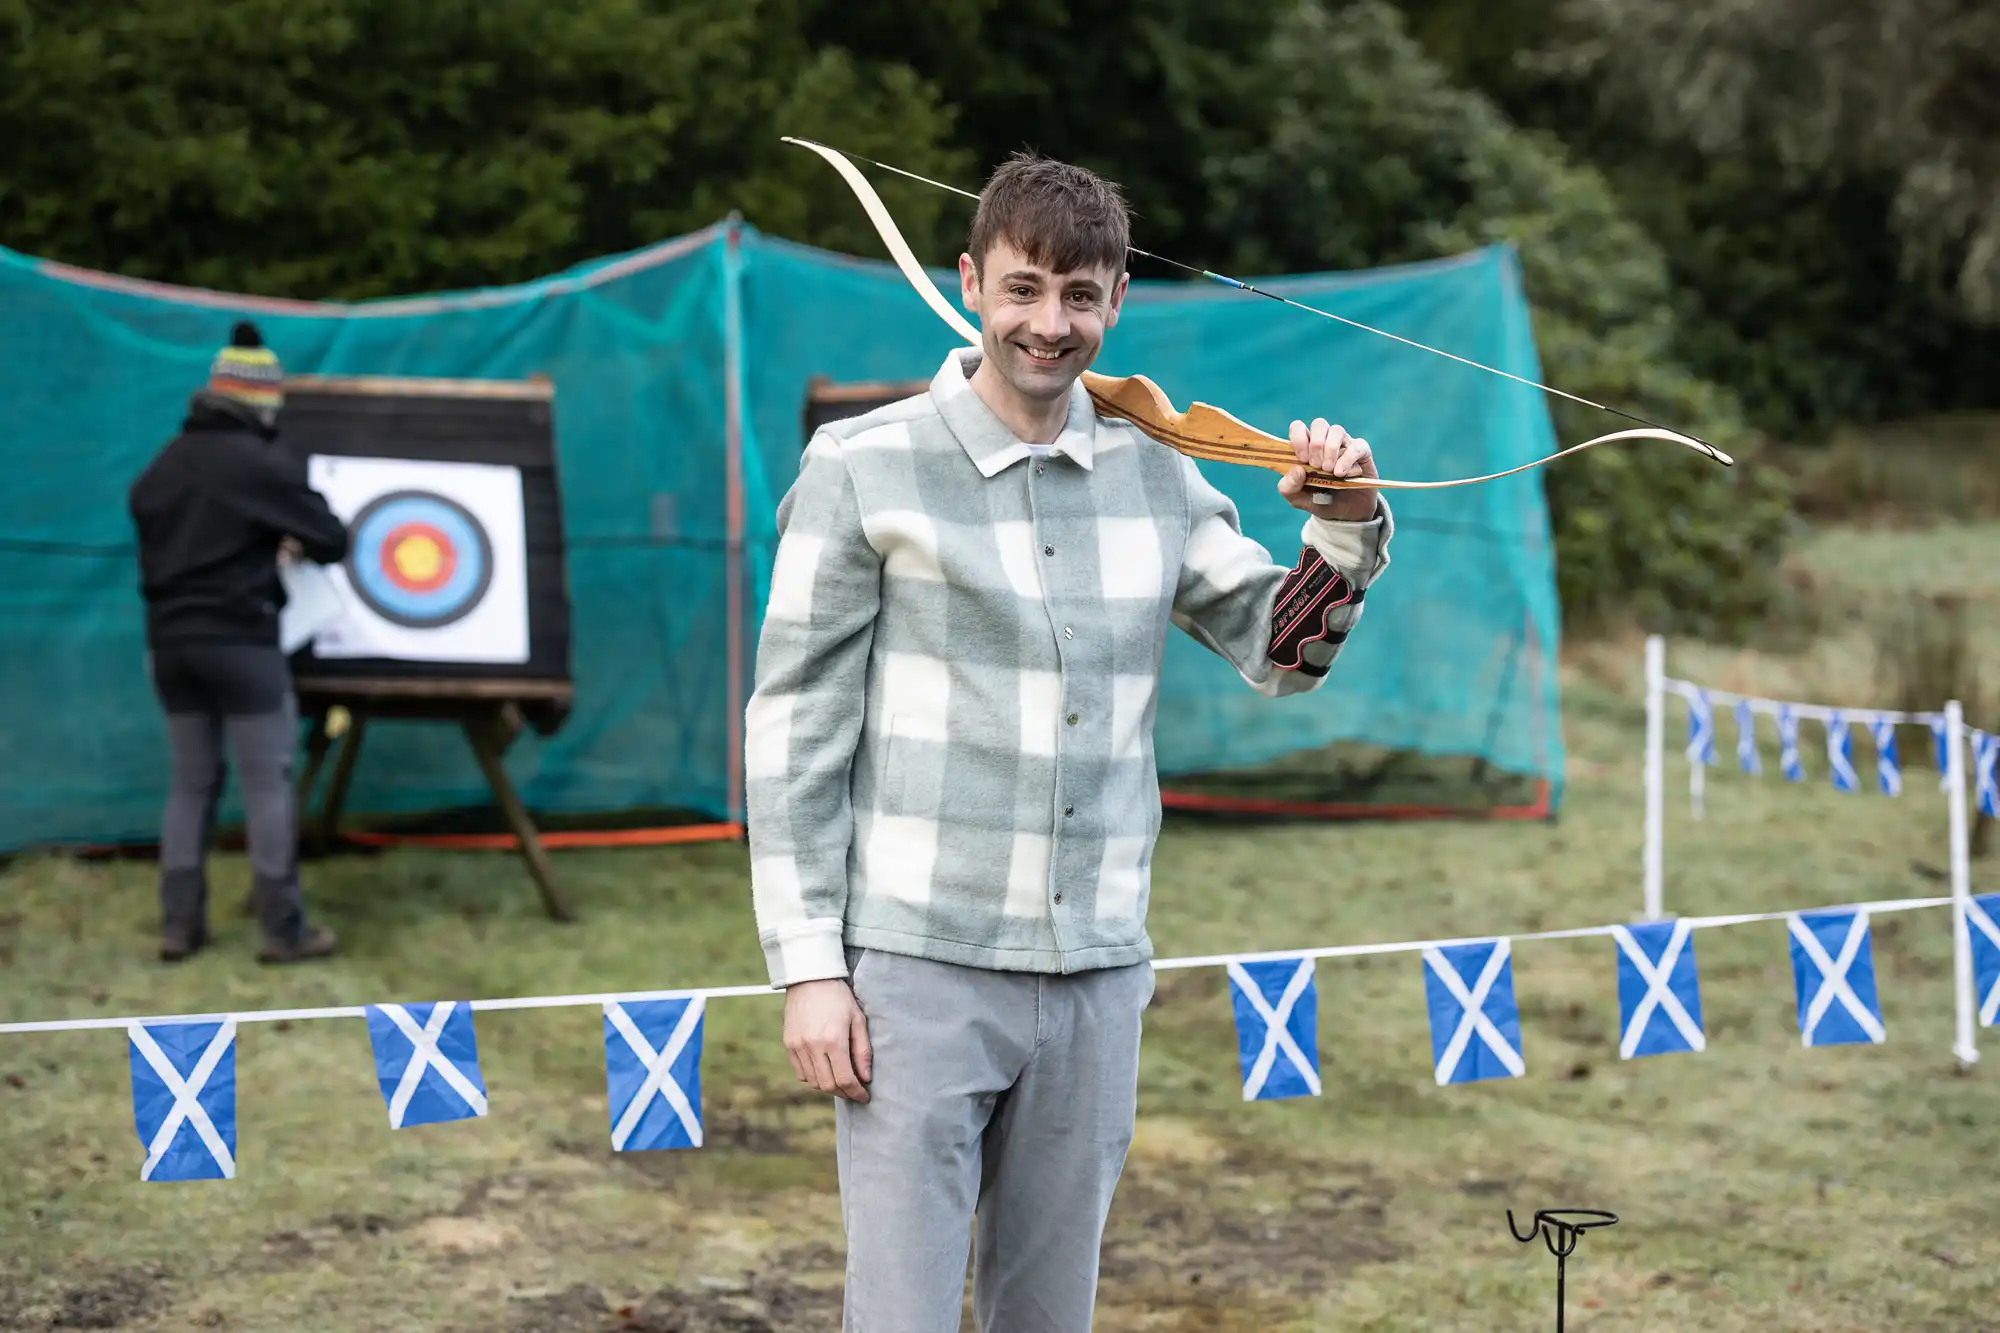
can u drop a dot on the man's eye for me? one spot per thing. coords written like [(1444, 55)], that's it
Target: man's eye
[(1023, 292)]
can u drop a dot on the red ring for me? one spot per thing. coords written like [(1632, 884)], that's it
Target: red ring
[(403, 532)]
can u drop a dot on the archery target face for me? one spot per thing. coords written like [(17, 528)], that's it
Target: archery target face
[(437, 565)]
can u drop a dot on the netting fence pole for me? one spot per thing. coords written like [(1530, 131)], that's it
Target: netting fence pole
[(1656, 763), (1967, 1045), (734, 506)]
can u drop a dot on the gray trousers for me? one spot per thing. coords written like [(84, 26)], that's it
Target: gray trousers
[(999, 1116), (236, 698)]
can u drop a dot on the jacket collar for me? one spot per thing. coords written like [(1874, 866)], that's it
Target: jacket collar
[(991, 446), (212, 412)]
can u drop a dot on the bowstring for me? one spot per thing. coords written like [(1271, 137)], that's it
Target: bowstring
[(1237, 283)]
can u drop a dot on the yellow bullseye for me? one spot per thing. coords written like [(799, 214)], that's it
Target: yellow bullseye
[(419, 558)]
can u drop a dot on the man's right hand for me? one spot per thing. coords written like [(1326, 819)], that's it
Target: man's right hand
[(826, 1036)]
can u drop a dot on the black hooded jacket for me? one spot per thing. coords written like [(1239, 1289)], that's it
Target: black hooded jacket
[(211, 509)]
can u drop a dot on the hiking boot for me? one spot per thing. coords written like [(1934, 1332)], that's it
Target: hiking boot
[(315, 942), (179, 942)]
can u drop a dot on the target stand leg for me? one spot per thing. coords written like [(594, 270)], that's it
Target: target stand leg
[(318, 745), (328, 836), (490, 735)]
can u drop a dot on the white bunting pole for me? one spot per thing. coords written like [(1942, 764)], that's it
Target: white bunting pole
[(1967, 1046), (1656, 771)]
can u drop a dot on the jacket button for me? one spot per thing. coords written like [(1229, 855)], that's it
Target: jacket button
[(1068, 811), (1068, 633), (1048, 550), (1071, 719), (1058, 895)]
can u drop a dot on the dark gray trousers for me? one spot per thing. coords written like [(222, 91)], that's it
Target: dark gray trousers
[(237, 699), (999, 1114)]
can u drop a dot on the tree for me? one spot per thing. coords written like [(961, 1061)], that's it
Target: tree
[(355, 148), (1843, 90)]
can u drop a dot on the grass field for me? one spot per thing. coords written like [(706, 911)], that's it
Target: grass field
[(1761, 1186)]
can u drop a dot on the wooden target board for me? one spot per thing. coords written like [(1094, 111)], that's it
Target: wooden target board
[(450, 493), (827, 401)]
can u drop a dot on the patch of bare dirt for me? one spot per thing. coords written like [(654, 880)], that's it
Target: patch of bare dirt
[(801, 1294), (102, 1301), (465, 1230), (285, 1247), (1187, 1227), (463, 1237)]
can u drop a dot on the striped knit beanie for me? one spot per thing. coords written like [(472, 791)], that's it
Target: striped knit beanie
[(248, 371)]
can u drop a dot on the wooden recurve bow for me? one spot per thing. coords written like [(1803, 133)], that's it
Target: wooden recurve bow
[(1204, 431)]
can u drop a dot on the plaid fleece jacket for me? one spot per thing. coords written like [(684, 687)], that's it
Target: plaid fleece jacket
[(949, 749)]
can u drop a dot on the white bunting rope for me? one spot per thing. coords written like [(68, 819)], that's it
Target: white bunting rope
[(1576, 933), (1816, 712), (1161, 964), (361, 1011)]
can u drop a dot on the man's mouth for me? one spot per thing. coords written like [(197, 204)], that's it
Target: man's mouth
[(1044, 354)]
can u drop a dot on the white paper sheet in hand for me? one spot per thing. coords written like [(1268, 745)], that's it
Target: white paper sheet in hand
[(312, 602)]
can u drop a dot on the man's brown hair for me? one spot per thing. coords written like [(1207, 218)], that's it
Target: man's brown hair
[(1063, 218)]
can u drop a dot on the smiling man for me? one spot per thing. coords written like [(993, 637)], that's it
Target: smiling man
[(952, 794)]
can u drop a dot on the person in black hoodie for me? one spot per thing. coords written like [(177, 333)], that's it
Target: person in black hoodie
[(216, 511)]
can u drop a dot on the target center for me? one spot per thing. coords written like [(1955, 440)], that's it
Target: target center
[(418, 557)]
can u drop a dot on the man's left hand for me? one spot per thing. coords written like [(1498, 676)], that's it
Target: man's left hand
[(1326, 448)]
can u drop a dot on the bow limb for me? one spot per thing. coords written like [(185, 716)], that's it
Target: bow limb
[(1708, 451), (1210, 433), (899, 249)]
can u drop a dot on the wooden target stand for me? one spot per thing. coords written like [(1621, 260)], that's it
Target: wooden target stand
[(491, 713), (495, 422)]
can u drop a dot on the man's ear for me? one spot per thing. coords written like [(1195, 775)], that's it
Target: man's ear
[(968, 284), (1117, 302)]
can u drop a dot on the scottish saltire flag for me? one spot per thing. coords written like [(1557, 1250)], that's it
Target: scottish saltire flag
[(1888, 776), (1701, 728), (1277, 1027), (1835, 973), (1940, 748), (1982, 917), (1746, 738), (1839, 754), (652, 1072), (184, 1099), (1986, 774), (1788, 745), (1659, 995), (426, 1062), (1475, 1024)]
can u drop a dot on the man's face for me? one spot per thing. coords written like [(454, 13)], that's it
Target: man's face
[(1039, 329)]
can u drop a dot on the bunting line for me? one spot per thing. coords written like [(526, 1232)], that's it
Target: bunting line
[(1810, 712), (1222, 960), (1975, 784)]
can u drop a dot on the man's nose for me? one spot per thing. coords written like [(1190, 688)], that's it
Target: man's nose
[(1050, 320)]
